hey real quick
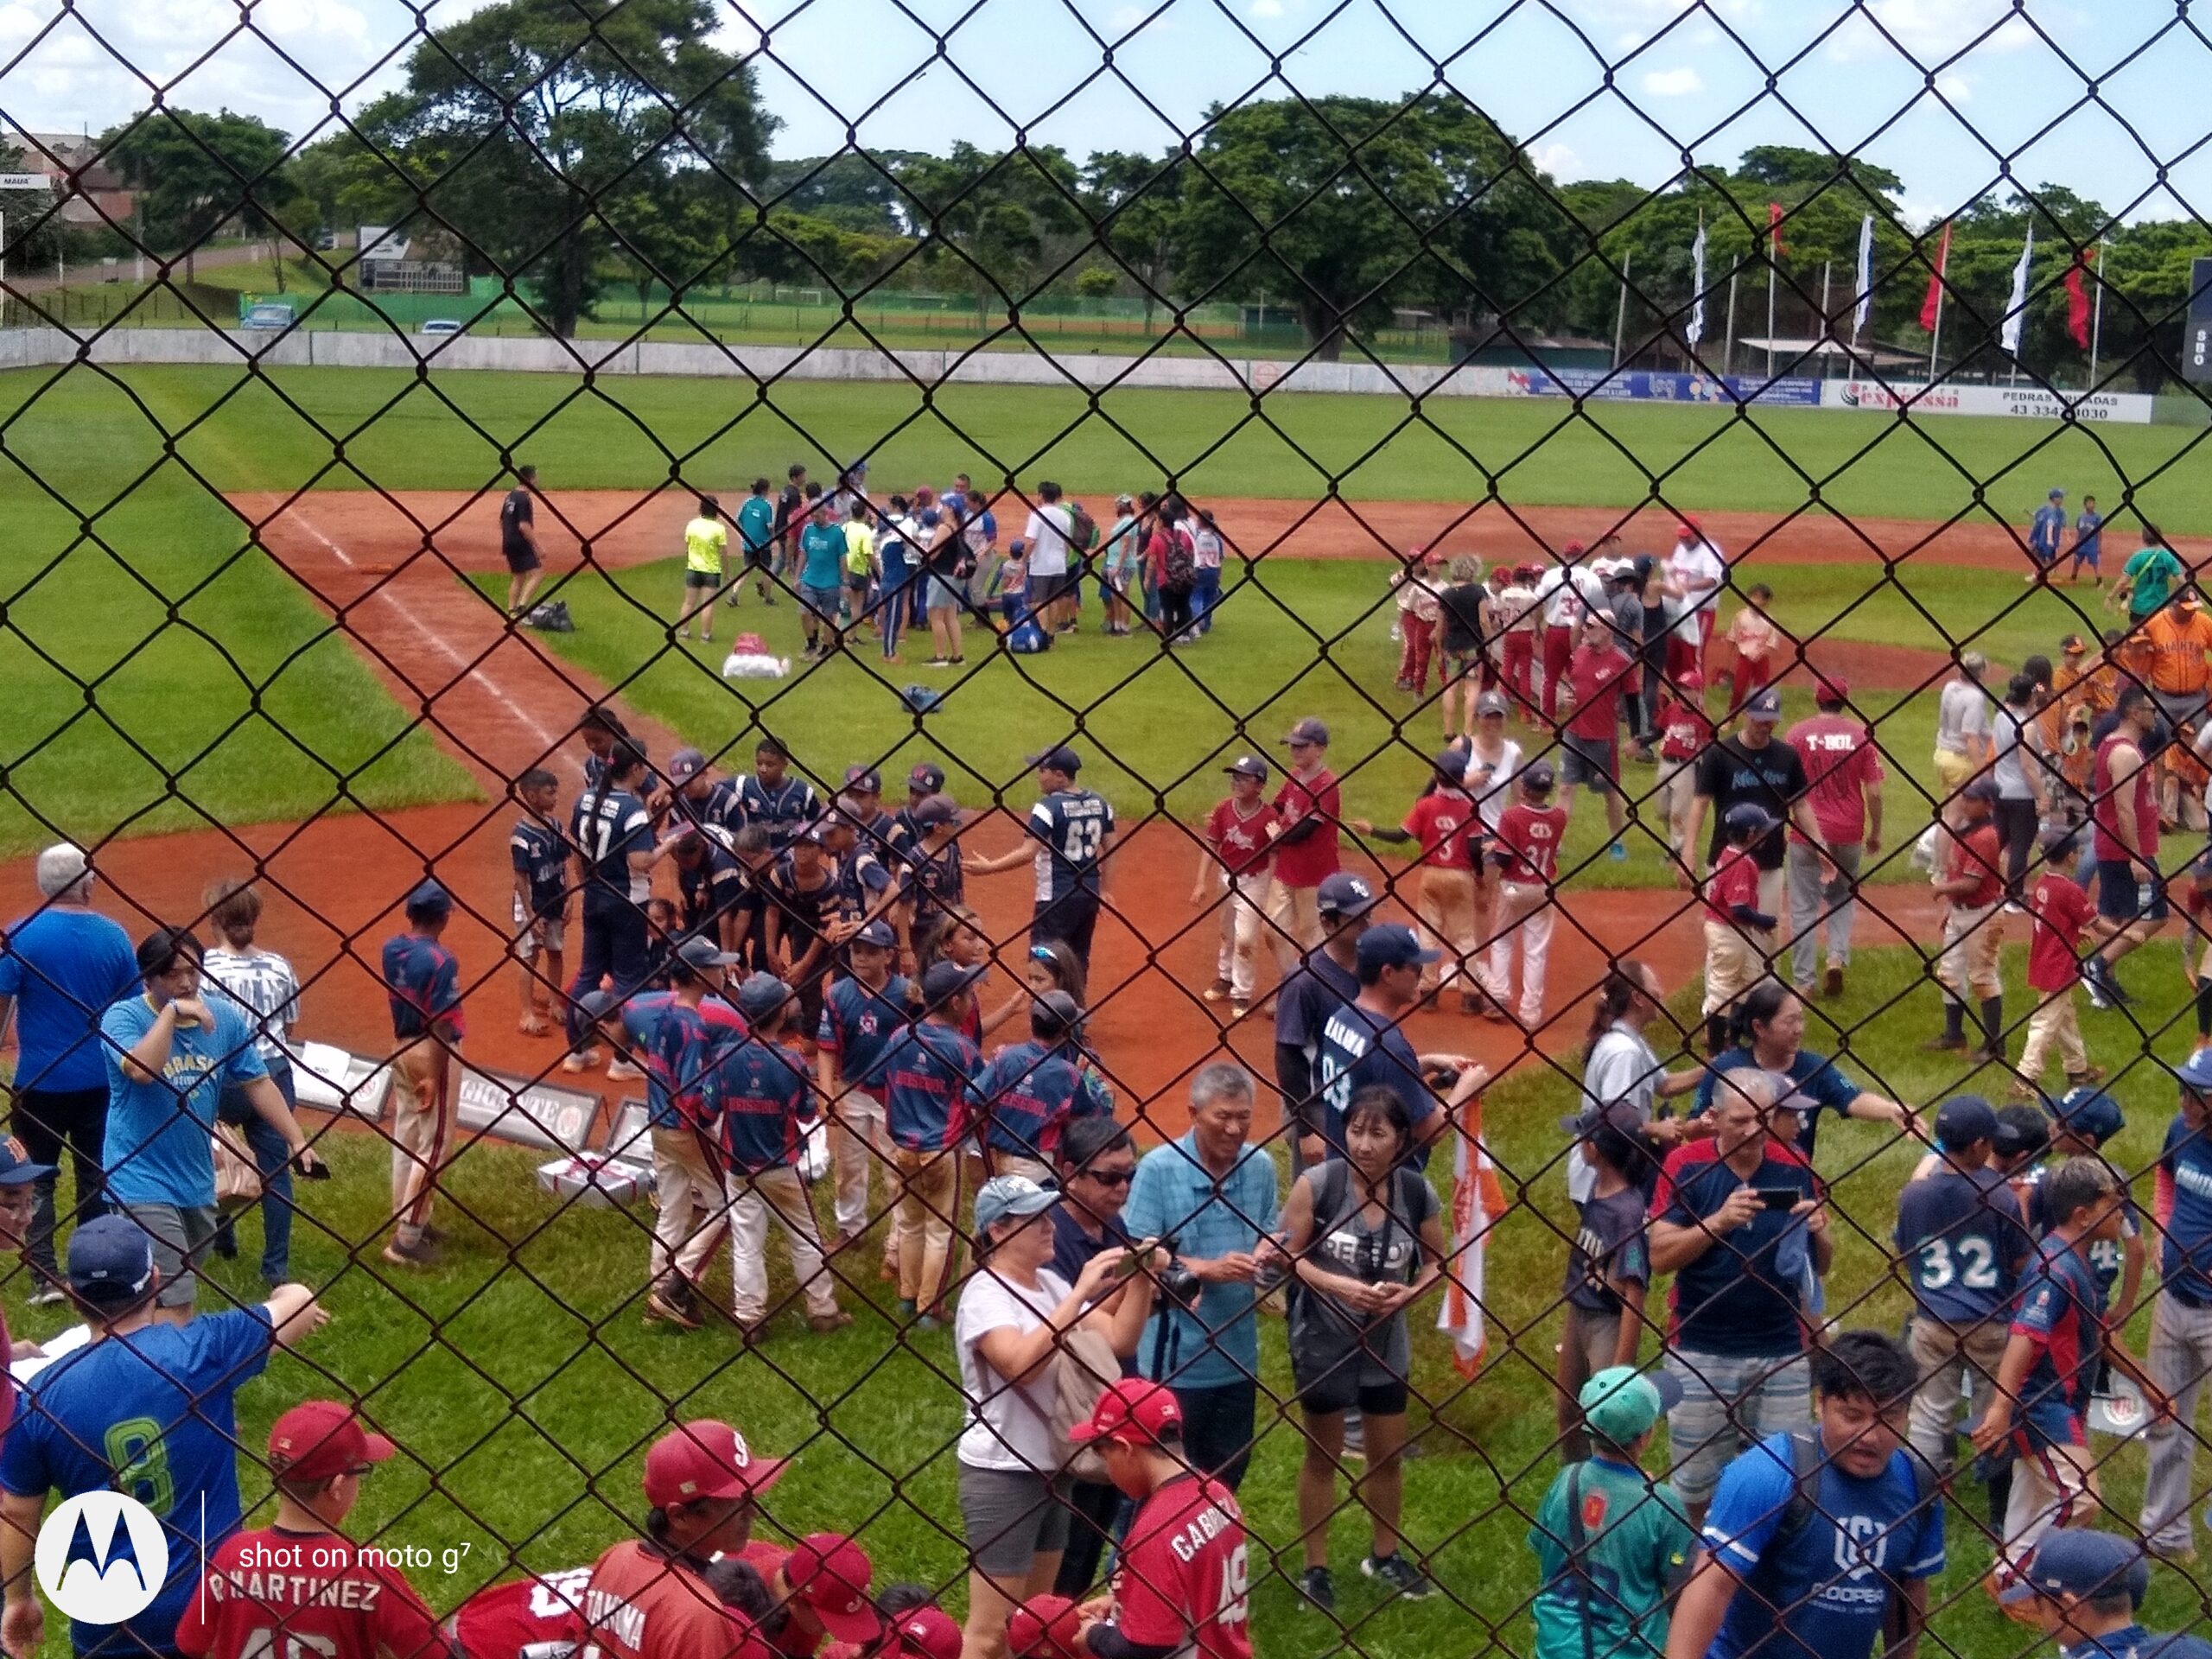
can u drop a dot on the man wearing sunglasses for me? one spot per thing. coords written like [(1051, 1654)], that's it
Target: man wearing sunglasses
[(1095, 1162), (300, 1574)]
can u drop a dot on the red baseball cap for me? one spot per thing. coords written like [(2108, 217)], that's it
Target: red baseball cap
[(1571, 550), (705, 1459), (1045, 1627), (926, 1633), (828, 1573), (318, 1438), (1133, 1411), (1832, 688)]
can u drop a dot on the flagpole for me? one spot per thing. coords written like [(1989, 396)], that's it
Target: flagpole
[(1770, 273), (2097, 316), (1620, 316), (1728, 352), (1935, 337), (1827, 321)]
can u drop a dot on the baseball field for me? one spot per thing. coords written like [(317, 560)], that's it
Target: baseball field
[(236, 603)]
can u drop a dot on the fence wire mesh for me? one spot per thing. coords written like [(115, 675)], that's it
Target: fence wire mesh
[(548, 637)]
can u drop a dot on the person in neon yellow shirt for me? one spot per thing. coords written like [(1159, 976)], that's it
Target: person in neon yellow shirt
[(859, 562), (705, 537)]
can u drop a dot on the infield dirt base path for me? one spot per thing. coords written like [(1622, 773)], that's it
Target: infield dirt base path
[(500, 704)]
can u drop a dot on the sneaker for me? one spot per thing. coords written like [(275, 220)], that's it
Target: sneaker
[(2098, 1000), (662, 1308), (1239, 1009), (582, 1060), (1832, 982), (1470, 1003), (623, 1072), (421, 1254), (1944, 1045), (1401, 1575), (2013, 907), (48, 1296), (2085, 1075), (822, 1324), (1216, 992), (1318, 1588)]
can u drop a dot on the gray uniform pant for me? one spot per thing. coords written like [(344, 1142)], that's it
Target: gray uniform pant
[(2180, 1359), (1816, 907)]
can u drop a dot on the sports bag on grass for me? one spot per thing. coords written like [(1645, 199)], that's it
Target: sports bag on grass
[(551, 617)]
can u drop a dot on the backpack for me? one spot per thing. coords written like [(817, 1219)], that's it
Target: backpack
[(1027, 638), (920, 699), (1182, 565), (1083, 530), (550, 616)]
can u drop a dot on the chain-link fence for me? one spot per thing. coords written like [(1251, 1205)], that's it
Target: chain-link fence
[(907, 831)]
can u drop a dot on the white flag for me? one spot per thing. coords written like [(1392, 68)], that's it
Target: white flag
[(1866, 276), (2015, 308), (1696, 332)]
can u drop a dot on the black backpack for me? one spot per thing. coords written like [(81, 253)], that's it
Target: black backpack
[(551, 616), (1182, 562)]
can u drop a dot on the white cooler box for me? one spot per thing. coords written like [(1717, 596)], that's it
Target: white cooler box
[(600, 1182)]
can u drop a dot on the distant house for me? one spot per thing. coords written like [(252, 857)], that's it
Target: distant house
[(389, 263), (90, 188)]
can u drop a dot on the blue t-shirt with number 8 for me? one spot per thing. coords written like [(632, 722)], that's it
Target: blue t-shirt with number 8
[(149, 1413)]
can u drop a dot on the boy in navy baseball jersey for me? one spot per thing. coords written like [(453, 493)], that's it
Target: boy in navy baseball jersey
[(760, 1096), (773, 798), (422, 981), (1072, 831), (862, 1013), (2181, 1330), (927, 1074), (539, 852), (1031, 1091)]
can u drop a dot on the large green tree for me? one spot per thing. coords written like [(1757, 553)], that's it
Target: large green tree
[(527, 127), (1133, 202), (987, 220), (196, 173)]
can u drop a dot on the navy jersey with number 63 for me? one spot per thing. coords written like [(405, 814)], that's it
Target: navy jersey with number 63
[(1963, 1238), (1071, 825)]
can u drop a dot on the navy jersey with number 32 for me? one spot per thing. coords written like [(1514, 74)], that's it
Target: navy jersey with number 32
[(1964, 1237)]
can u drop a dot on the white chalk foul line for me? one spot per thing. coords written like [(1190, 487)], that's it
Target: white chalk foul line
[(472, 670)]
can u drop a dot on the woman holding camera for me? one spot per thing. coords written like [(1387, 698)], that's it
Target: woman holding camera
[(1366, 1233)]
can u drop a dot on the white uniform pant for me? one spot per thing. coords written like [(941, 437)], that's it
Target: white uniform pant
[(1524, 916), (1243, 908), (753, 1199), (689, 1190), (860, 1144)]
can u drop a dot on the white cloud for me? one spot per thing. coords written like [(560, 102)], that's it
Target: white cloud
[(1267, 8), (1931, 30), (1557, 159), (1957, 88), (1684, 82)]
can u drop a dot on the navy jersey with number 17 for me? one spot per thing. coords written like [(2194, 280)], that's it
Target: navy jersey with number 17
[(606, 827), (1071, 825)]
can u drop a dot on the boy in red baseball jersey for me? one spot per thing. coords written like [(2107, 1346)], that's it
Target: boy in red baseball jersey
[(1526, 857), (1596, 676), (1685, 733), (1307, 846), (300, 1577), (1447, 827), (2062, 912), (1970, 883), (1184, 1582), (1239, 848), (1738, 935), (500, 1621)]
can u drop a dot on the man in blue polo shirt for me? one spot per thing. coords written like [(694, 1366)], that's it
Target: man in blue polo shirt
[(1825, 1576), (59, 969), (146, 1407), (1215, 1193), (2181, 1323)]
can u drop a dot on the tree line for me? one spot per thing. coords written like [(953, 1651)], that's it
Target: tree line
[(574, 146)]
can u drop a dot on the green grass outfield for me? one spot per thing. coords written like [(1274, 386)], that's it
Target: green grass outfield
[(531, 1389)]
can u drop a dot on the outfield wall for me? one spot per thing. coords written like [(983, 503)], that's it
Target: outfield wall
[(322, 348)]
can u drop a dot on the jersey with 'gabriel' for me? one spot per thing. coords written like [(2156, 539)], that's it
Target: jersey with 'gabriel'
[(1184, 1581)]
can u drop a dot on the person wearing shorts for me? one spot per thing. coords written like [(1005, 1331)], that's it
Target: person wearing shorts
[(756, 534), (704, 539), (519, 542), (821, 576)]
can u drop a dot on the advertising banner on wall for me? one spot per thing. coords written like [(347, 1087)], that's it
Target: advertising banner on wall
[(2120, 408), (1637, 386)]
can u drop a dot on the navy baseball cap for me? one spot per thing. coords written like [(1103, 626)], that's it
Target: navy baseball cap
[(16, 1167), (1392, 946), (430, 900), (1982, 789), (866, 779), (1248, 765), (879, 934), (1344, 894), (926, 778), (701, 954), (1057, 759), (1309, 730), (1055, 1010), (935, 810), (1964, 1119), (1539, 776), (1748, 817), (762, 995), (2058, 495), (947, 979), (1493, 703), (112, 1262), (1451, 763), (2089, 1112), (686, 764), (2195, 1076), (2076, 1561), (1767, 705)]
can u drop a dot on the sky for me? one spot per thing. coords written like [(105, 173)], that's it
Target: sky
[(1953, 95)]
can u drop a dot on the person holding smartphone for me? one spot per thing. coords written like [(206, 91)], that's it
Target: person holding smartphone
[(1741, 1222)]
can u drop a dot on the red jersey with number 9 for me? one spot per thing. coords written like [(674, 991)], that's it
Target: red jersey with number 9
[(1186, 1576)]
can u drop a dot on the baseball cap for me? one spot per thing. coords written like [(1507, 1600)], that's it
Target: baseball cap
[(2058, 494), (1011, 1195), (1392, 945), (705, 1459), (2195, 1074), (1684, 530), (1964, 1119), (1134, 1411), (1045, 1627), (2089, 1112), (2057, 838), (946, 979), (318, 1438), (1595, 1115), (926, 777), (2076, 1561), (1309, 730), (430, 900), (700, 953), (2192, 600), (1056, 1008), (1747, 818), (1344, 894), (1766, 705), (762, 995), (2020, 1129), (1831, 687), (1248, 765), (16, 1167), (926, 1633), (1492, 703), (1451, 763), (686, 764), (1981, 789), (878, 933), (1624, 1404), (865, 780), (112, 1262), (936, 809), (828, 1573), (1572, 550), (1060, 758)]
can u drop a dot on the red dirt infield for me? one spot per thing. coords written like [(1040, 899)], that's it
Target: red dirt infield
[(500, 704)]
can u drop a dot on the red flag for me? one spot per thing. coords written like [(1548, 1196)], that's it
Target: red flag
[(1931, 308), (1774, 228), (2077, 300)]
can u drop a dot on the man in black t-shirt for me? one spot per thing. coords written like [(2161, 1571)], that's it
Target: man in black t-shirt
[(1752, 767), (791, 519), (519, 542)]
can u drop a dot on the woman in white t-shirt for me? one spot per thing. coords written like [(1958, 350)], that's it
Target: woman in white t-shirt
[(1011, 1316)]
